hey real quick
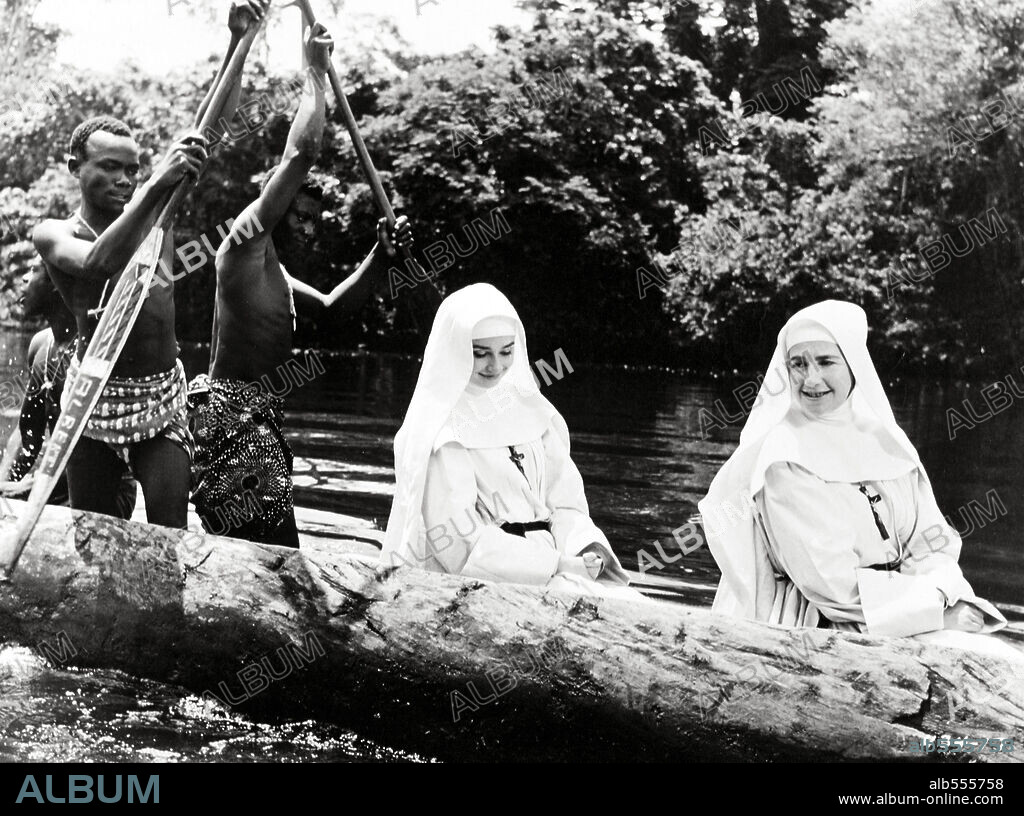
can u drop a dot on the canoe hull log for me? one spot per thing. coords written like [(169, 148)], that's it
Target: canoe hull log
[(467, 670)]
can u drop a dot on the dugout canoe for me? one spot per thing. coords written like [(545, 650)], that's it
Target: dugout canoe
[(465, 670)]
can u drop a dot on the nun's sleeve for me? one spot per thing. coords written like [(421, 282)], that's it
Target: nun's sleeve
[(571, 525), (460, 538), (815, 541), (933, 551), (933, 548), (811, 541)]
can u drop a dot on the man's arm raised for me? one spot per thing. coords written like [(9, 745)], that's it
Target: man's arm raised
[(114, 248), (242, 14), (301, 151)]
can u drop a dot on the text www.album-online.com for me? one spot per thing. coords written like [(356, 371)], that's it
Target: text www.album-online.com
[(913, 799), (948, 795)]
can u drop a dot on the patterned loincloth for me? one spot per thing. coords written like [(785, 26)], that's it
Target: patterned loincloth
[(133, 409), (242, 470)]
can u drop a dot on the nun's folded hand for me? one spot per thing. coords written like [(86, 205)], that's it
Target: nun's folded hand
[(589, 565), (572, 565), (963, 617), (594, 564)]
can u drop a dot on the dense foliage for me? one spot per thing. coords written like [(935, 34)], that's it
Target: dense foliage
[(910, 158), (649, 181)]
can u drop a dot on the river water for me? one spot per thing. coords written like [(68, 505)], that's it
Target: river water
[(641, 440)]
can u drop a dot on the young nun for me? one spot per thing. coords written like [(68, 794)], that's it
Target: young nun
[(485, 486), (824, 515)]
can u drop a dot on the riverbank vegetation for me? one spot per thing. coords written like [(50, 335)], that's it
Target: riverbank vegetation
[(650, 182)]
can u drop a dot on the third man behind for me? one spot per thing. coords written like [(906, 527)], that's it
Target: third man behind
[(243, 465)]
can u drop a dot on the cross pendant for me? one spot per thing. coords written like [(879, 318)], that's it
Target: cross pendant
[(517, 458)]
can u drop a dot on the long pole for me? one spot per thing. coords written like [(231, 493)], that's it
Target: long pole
[(365, 162)]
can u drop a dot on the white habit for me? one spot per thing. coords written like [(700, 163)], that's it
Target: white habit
[(457, 482), (791, 517)]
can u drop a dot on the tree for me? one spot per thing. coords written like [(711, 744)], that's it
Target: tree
[(900, 193), (930, 127), (583, 135), (764, 46)]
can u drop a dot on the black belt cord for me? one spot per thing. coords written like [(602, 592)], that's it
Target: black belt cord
[(521, 529)]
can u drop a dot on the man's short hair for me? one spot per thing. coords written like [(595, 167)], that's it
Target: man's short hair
[(41, 278), (107, 124)]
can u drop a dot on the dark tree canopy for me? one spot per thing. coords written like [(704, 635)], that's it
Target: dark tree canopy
[(623, 170)]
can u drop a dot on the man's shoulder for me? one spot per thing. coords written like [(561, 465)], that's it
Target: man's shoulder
[(244, 230), (40, 337), (38, 343), (49, 228)]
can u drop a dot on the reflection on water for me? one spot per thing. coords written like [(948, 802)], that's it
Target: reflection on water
[(636, 437), (48, 715)]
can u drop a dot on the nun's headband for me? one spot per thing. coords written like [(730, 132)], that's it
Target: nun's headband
[(807, 331), (494, 327)]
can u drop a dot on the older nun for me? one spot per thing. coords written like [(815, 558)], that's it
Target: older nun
[(824, 515)]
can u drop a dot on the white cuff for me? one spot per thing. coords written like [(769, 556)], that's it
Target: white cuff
[(897, 605)]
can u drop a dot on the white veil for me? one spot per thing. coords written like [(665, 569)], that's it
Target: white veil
[(443, 410), (863, 443)]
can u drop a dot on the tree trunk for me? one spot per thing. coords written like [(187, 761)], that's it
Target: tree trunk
[(461, 669)]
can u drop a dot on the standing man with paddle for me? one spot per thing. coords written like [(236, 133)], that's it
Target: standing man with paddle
[(139, 421), (243, 465)]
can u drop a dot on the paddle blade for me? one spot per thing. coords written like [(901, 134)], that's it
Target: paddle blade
[(84, 391)]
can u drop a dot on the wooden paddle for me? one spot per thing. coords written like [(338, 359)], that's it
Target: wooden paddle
[(372, 176), (108, 339)]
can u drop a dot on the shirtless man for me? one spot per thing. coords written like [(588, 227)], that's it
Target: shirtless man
[(243, 466), (49, 353), (140, 421)]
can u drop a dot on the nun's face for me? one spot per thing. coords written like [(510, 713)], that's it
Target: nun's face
[(820, 377), (492, 357)]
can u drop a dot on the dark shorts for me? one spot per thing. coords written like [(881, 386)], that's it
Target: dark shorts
[(242, 469)]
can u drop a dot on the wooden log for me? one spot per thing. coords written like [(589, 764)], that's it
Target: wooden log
[(461, 669)]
